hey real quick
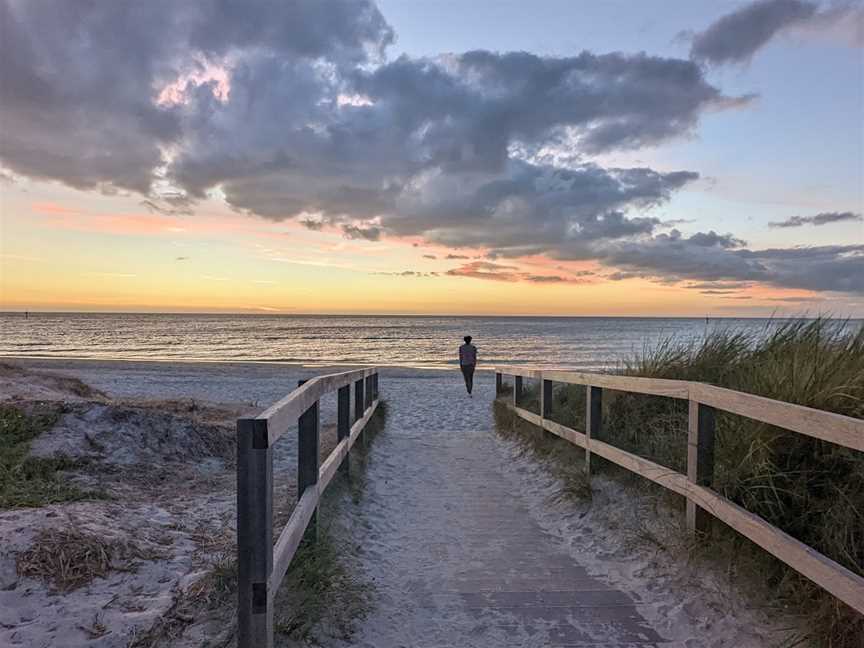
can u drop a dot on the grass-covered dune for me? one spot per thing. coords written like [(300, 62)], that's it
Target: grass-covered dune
[(811, 489)]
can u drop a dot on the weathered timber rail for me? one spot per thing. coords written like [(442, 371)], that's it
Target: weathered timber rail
[(261, 566), (703, 503)]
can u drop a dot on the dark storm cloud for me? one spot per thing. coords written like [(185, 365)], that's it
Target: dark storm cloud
[(737, 36), (819, 219)]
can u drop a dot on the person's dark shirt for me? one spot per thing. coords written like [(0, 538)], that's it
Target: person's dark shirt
[(467, 354)]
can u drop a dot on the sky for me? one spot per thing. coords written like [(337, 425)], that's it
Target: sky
[(668, 158)]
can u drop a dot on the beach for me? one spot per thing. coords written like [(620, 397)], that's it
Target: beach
[(158, 442)]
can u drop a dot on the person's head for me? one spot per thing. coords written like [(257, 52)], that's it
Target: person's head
[(467, 339)]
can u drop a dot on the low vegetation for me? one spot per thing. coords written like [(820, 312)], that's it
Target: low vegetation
[(811, 489), (68, 559), (33, 481), (322, 597)]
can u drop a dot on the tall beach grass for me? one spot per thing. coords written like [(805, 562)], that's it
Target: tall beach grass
[(811, 489)]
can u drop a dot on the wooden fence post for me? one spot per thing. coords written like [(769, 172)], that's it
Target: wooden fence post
[(359, 404), (517, 390), (545, 398), (369, 396), (499, 383), (700, 461), (359, 400), (307, 461), (254, 534), (593, 419), (343, 423)]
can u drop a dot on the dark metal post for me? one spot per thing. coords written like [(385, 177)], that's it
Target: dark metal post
[(375, 386), (254, 534), (343, 421), (499, 383), (593, 420), (545, 398), (307, 460), (700, 461), (517, 390)]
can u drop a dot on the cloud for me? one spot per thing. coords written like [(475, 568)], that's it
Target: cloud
[(737, 36), (314, 225), (508, 273), (79, 82), (718, 285), (409, 273), (454, 257), (431, 256), (823, 218), (293, 110), (363, 233), (182, 258), (711, 257), (532, 209), (169, 204)]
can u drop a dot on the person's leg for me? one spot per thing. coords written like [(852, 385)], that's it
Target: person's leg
[(464, 369), (469, 378)]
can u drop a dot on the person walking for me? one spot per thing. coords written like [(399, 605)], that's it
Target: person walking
[(468, 362)]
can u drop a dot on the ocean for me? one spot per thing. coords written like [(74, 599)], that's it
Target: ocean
[(588, 343)]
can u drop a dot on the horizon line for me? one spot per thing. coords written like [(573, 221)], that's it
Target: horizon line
[(802, 316)]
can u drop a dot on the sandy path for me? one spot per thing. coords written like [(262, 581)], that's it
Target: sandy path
[(453, 549)]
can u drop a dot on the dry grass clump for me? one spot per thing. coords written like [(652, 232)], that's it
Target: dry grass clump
[(68, 559)]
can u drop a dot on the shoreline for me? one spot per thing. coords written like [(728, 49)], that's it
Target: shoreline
[(35, 361), (301, 366)]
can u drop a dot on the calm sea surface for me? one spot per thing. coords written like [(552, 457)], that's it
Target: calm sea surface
[(585, 342)]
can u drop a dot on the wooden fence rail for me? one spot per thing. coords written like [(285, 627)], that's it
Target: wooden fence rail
[(261, 566), (703, 504)]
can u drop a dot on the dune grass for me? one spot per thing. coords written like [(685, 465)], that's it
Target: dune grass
[(809, 488), (33, 481)]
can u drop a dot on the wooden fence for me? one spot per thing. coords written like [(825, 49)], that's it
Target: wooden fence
[(702, 502), (261, 566)]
